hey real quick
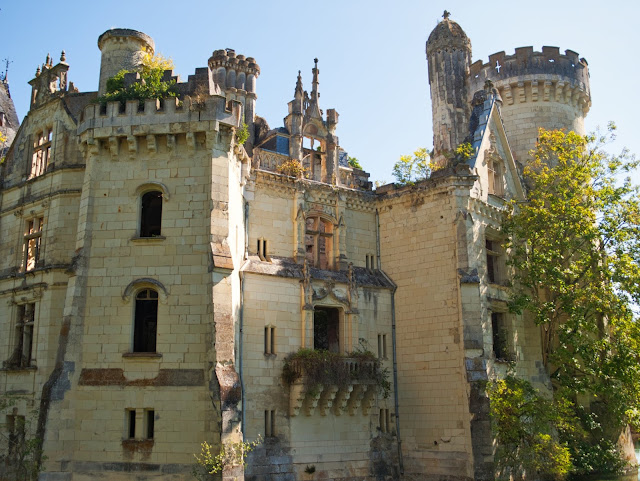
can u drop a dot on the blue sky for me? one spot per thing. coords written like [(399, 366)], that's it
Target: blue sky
[(371, 54)]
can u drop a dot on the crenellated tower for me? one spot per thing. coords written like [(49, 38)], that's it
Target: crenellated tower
[(236, 76), (539, 89), (449, 58), (122, 49)]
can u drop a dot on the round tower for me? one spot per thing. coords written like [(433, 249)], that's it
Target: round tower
[(449, 58), (539, 89), (122, 49)]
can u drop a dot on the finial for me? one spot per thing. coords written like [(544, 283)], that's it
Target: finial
[(38, 71), (315, 60), (48, 60), (63, 56), (298, 90), (446, 14)]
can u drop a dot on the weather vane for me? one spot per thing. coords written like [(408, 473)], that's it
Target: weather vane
[(446, 14)]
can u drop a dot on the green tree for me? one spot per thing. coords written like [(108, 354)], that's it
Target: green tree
[(412, 168), (575, 246), (354, 162), (150, 86)]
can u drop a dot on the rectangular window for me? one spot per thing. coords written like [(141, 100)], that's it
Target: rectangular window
[(496, 185), (41, 152), (495, 261), (382, 346), (269, 423), (385, 421), (269, 340), (500, 336), (23, 337), (32, 238), (131, 423), (150, 422)]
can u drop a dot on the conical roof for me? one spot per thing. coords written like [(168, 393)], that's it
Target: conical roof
[(447, 34)]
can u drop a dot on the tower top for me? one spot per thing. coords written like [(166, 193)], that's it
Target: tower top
[(447, 34)]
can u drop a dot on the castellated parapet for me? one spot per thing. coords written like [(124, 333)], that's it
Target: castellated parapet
[(539, 89), (122, 49)]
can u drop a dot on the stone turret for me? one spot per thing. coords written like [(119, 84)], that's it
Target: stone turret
[(9, 122), (449, 58), (538, 89), (122, 49), (236, 76)]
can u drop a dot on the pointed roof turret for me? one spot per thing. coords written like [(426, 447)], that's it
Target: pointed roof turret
[(314, 108), (447, 34), (299, 92)]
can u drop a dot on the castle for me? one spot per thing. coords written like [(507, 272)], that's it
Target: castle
[(156, 273)]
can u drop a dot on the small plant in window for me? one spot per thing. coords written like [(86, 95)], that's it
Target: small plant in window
[(242, 134)]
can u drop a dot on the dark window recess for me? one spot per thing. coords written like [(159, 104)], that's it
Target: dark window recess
[(326, 322), (150, 423), (500, 344), (146, 321), (16, 438), (23, 340), (151, 215), (131, 424)]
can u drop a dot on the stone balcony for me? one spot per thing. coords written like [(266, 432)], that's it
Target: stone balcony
[(356, 389)]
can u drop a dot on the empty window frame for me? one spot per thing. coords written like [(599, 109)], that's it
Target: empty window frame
[(151, 214), (269, 340), (500, 335), (41, 152), (382, 346), (319, 242), (495, 261), (32, 241), (384, 421), (269, 423), (494, 172), (145, 321), (23, 338), (326, 329)]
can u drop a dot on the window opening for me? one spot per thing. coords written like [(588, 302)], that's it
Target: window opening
[(32, 238), (151, 214), (495, 261), (382, 346), (41, 152), (319, 242), (269, 423), (262, 250), (146, 321), (500, 335), (150, 422), (16, 427), (131, 423), (23, 340), (385, 421), (269, 340), (326, 322)]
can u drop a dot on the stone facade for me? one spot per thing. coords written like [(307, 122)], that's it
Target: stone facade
[(156, 274)]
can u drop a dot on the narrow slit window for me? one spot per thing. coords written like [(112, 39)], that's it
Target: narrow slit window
[(262, 250), (23, 340), (131, 423), (150, 422), (151, 214), (269, 423), (382, 346), (384, 421), (269, 340)]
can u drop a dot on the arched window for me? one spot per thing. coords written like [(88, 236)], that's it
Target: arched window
[(319, 242), (151, 214), (146, 321)]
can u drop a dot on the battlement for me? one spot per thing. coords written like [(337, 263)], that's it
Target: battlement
[(528, 63), (155, 116), (233, 71)]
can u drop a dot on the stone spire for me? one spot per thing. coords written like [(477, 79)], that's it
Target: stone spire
[(314, 106), (449, 59)]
